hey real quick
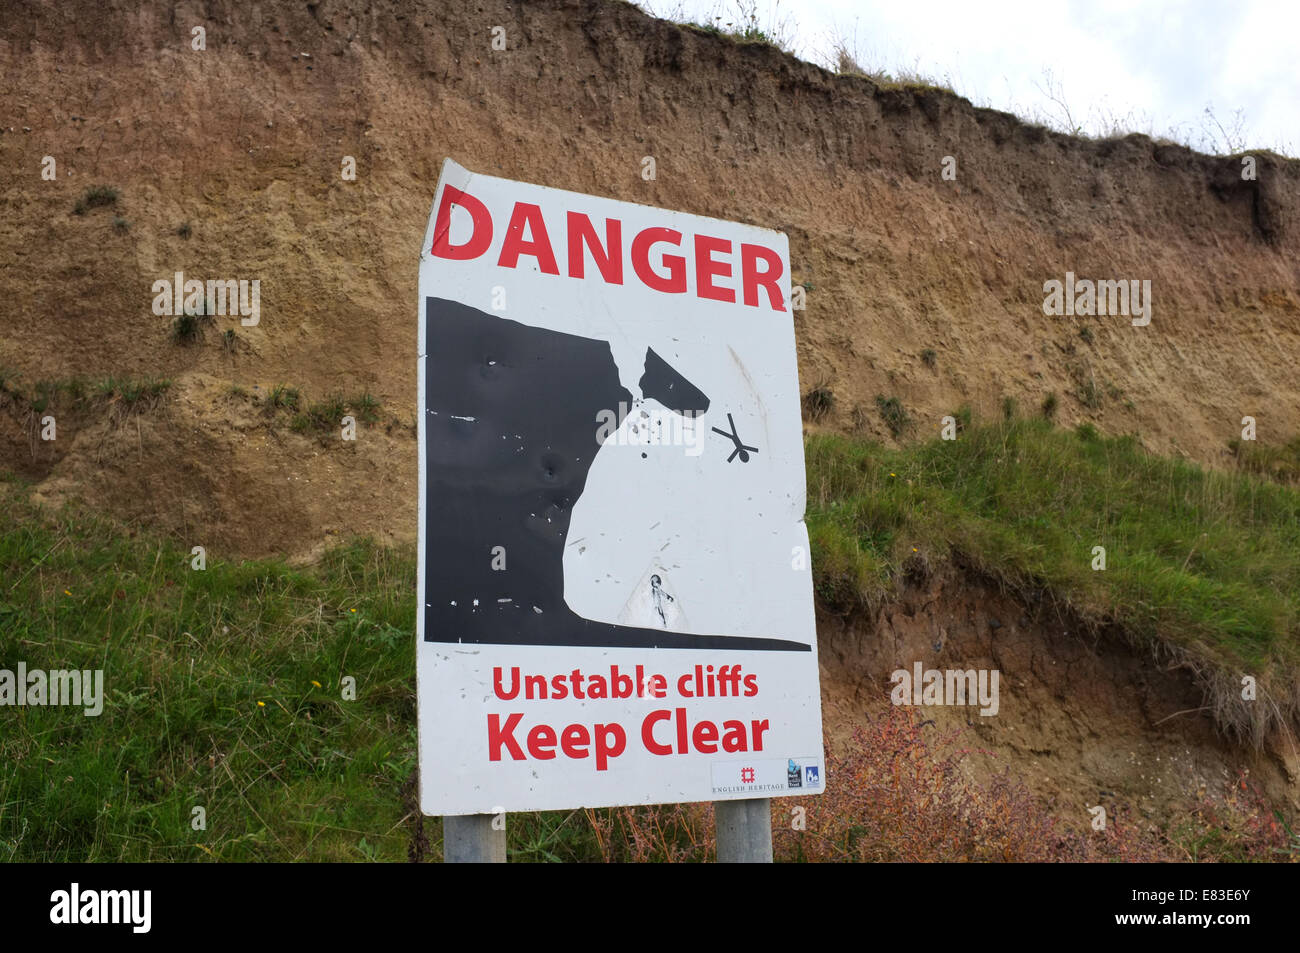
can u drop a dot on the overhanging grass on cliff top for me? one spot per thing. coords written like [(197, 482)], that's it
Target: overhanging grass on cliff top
[(1206, 564)]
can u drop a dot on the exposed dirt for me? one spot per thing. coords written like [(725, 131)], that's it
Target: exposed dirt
[(245, 142), (1084, 718)]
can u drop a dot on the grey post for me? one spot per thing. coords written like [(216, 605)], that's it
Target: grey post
[(744, 831), (470, 839)]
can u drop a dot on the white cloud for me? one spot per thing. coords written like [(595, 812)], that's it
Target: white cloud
[(1154, 65)]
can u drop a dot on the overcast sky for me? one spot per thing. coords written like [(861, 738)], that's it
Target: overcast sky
[(1152, 65)]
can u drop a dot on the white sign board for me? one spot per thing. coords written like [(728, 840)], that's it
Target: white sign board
[(615, 595)]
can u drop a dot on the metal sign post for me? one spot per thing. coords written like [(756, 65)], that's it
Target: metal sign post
[(471, 839), (744, 831)]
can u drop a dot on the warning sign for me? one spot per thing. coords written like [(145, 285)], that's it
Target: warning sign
[(615, 594)]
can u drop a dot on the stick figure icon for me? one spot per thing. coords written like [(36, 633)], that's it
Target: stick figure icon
[(658, 595), (741, 450)]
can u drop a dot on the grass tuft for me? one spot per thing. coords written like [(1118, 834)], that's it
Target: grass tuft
[(130, 394), (286, 397), (328, 414), (187, 329), (892, 413), (1050, 406), (818, 402), (97, 196)]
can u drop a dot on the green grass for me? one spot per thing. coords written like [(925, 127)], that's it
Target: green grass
[(366, 407), (282, 396), (222, 690), (1204, 564), (49, 393), (211, 699), (125, 392), (1280, 463), (328, 414), (131, 391), (324, 415)]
